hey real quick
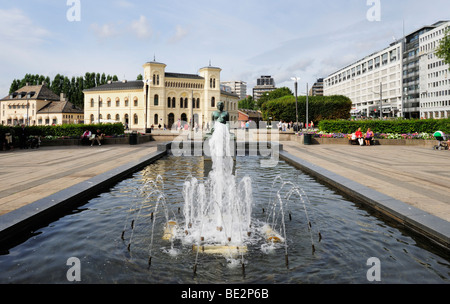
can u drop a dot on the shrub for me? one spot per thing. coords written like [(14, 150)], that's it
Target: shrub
[(399, 126), (319, 108), (70, 130)]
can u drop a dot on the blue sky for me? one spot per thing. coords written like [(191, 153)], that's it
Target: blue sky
[(247, 38)]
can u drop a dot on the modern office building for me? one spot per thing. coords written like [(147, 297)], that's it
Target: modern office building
[(375, 78), (434, 74), (317, 88), (237, 87), (264, 84), (161, 98), (407, 77), (411, 73)]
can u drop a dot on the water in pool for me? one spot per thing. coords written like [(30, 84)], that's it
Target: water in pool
[(114, 235)]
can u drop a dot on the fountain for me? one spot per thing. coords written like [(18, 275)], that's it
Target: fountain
[(217, 214)]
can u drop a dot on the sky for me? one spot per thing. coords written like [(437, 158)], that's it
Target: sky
[(246, 38)]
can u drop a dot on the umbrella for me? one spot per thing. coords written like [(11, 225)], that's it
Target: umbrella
[(439, 134)]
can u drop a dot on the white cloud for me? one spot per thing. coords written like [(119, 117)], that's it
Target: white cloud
[(180, 33), (104, 31), (17, 28), (141, 28)]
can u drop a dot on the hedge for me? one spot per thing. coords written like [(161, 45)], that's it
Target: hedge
[(319, 108), (69, 130), (399, 126)]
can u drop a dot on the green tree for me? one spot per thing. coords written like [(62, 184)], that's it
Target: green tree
[(275, 94), (139, 77), (247, 103), (443, 50)]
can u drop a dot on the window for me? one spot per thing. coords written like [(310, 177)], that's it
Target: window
[(155, 121), (169, 102), (92, 102), (156, 100), (136, 120), (213, 102), (174, 102), (136, 101), (181, 102), (117, 102)]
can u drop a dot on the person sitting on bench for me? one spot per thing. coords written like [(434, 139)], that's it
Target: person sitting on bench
[(369, 137)]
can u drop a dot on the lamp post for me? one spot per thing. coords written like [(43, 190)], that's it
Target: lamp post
[(307, 106), (296, 79)]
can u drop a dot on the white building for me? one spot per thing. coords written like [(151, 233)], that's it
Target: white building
[(369, 80), (237, 87), (434, 75)]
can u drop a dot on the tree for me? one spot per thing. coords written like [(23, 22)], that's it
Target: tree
[(275, 94), (443, 50), (139, 77), (247, 103)]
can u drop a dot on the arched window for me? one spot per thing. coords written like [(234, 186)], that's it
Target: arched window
[(100, 103), (136, 101), (213, 102), (155, 121), (169, 102), (117, 117), (198, 103), (125, 118), (117, 102), (108, 102), (174, 102), (156, 100), (181, 102), (92, 102), (186, 105), (157, 79), (136, 120), (154, 79), (92, 118), (108, 117), (126, 102)]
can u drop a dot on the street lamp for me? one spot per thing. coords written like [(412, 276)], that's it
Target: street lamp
[(296, 79)]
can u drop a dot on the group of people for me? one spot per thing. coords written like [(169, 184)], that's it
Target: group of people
[(8, 139), (364, 138), (92, 137)]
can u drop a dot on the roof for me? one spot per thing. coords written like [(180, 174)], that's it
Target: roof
[(60, 107), (118, 85), (180, 75), (222, 92), (37, 92)]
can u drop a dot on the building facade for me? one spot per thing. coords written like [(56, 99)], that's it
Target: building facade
[(317, 88), (407, 77), (237, 87), (264, 84), (161, 98), (375, 78), (37, 105), (434, 75)]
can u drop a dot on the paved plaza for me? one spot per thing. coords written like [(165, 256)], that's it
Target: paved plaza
[(415, 175)]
